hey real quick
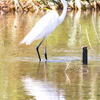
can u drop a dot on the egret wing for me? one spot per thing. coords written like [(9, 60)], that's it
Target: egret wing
[(43, 27)]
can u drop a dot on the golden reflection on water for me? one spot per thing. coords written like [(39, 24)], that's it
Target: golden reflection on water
[(21, 76)]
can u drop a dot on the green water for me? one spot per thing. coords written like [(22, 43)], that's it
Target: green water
[(22, 77)]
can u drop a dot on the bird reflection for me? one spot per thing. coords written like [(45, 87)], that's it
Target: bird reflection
[(42, 90), (45, 65), (38, 67)]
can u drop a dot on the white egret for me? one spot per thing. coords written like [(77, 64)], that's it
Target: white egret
[(45, 26)]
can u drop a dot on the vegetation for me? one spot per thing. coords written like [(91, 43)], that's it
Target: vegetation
[(42, 5)]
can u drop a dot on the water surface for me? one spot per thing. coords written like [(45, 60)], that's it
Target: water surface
[(24, 78)]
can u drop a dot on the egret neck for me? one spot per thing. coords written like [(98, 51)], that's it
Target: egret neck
[(61, 18)]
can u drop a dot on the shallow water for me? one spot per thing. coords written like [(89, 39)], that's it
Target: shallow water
[(24, 78)]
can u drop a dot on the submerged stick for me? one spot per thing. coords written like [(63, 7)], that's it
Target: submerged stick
[(67, 79), (67, 65), (95, 28), (4, 26), (88, 39)]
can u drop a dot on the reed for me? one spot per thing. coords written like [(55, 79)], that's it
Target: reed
[(4, 26), (80, 35), (88, 40), (95, 28)]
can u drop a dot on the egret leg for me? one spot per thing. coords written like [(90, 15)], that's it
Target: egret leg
[(45, 49), (37, 49)]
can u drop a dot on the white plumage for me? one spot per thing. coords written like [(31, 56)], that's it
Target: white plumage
[(45, 26)]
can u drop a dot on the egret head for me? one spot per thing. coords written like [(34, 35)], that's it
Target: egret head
[(63, 1)]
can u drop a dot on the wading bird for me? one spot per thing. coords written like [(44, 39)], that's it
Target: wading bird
[(45, 26)]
